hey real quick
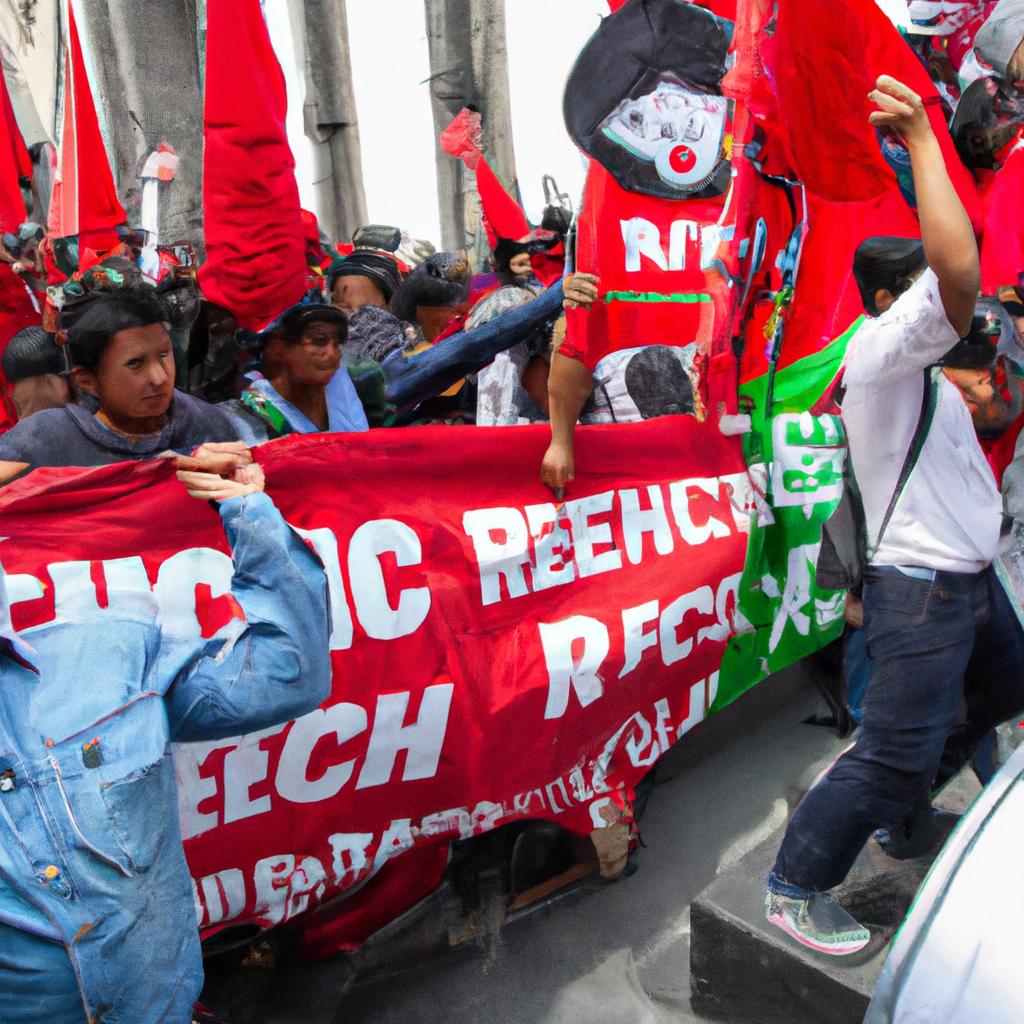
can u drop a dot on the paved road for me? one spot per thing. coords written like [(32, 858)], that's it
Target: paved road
[(618, 955)]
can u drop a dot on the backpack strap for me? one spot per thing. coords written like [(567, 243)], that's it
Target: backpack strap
[(929, 403)]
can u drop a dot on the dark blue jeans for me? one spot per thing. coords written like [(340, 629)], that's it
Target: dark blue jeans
[(948, 666), (37, 981)]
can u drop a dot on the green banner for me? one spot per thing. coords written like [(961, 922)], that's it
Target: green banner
[(796, 457)]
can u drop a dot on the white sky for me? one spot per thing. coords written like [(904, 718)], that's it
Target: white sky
[(389, 68)]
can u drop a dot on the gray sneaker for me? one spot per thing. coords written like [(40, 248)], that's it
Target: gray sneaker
[(817, 922)]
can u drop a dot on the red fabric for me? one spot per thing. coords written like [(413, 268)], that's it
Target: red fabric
[(503, 216), (1000, 452), (1002, 247), (824, 60), (610, 324), (14, 163), (255, 251), (344, 927), (17, 310), (426, 630), (549, 266), (821, 63), (85, 199)]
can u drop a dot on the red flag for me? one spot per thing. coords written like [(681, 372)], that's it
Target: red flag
[(255, 252), (14, 164), (18, 309), (822, 60), (503, 216), (84, 199), (1002, 249)]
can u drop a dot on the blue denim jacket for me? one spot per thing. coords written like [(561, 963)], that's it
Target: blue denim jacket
[(90, 847)]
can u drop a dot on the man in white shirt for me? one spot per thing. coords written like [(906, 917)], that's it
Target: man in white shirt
[(948, 652)]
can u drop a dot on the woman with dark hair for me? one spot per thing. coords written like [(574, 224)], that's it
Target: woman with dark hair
[(121, 355)]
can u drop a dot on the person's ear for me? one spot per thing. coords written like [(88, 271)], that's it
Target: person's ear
[(85, 380), (883, 299)]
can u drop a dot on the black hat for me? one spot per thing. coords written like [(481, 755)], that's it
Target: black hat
[(647, 45), (886, 262), (292, 322), (380, 268), (32, 352)]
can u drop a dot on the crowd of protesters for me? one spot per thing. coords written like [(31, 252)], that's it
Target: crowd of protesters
[(129, 361)]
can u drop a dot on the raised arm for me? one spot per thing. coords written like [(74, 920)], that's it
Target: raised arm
[(278, 667), (949, 243)]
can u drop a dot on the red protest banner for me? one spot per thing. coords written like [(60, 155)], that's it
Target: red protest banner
[(497, 656)]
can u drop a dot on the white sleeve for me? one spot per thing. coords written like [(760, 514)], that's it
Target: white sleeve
[(912, 334)]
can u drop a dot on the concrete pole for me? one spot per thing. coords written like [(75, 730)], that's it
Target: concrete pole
[(469, 68), (330, 116), (144, 63)]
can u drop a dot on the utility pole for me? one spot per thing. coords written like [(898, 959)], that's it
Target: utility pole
[(144, 60), (469, 68), (330, 116)]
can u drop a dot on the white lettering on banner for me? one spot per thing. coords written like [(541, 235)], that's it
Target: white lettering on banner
[(382, 616), (808, 459), (342, 721), (22, 586), (680, 497), (501, 543), (349, 855), (673, 649), (284, 887), (567, 670), (587, 536), (552, 549), (797, 604), (377, 616), (640, 237), (575, 649), (245, 767), (286, 884), (176, 584), (637, 521), (422, 740), (636, 638), (220, 897), (246, 762), (558, 546)]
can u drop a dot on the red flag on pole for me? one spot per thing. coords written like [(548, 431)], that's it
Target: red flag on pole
[(14, 164), (255, 253), (84, 199), (503, 216)]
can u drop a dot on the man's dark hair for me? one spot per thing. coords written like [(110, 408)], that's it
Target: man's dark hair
[(380, 268), (93, 321), (886, 262), (32, 352)]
